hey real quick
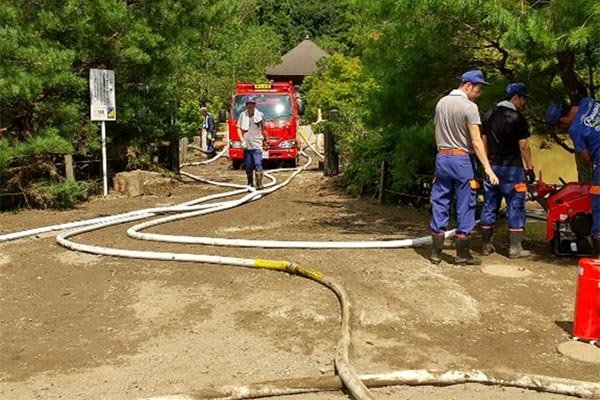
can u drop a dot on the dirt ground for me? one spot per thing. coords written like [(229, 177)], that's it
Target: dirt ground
[(77, 326)]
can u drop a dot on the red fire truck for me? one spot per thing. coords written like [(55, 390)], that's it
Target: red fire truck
[(282, 107)]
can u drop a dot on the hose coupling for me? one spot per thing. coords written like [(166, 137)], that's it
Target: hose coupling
[(292, 268)]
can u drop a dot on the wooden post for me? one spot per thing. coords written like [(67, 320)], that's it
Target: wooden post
[(183, 144), (197, 141), (69, 173), (203, 139), (175, 153), (382, 181), (331, 165), (331, 162)]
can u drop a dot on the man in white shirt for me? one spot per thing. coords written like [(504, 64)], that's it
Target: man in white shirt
[(251, 128)]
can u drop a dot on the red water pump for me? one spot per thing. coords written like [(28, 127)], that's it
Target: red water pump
[(569, 221)]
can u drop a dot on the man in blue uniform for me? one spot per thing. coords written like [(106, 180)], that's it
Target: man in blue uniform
[(458, 140), (505, 132), (583, 122), (211, 132)]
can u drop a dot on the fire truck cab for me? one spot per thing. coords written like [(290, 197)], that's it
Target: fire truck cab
[(282, 107)]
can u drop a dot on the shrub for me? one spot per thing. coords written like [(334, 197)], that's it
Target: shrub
[(62, 195), (414, 154), (39, 146)]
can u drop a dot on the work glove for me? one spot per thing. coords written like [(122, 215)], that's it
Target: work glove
[(530, 176)]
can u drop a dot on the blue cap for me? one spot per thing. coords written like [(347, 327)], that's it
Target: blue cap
[(251, 99), (474, 76), (516, 89), (553, 114)]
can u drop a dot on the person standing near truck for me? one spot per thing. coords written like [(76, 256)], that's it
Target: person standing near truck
[(505, 132), (582, 120), (458, 141), (251, 128), (211, 132)]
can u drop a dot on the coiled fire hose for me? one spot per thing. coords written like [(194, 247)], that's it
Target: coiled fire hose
[(357, 385)]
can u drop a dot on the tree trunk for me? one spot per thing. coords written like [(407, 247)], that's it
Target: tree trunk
[(576, 90), (575, 87)]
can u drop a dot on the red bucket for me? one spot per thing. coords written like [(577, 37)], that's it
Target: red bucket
[(586, 322)]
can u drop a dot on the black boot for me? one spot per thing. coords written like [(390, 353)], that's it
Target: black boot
[(516, 250), (259, 176), (596, 247), (463, 252), (250, 178), (437, 242), (487, 247)]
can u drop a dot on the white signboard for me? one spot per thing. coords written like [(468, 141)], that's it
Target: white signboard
[(103, 106)]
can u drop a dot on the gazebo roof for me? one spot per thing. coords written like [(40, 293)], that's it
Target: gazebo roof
[(300, 61)]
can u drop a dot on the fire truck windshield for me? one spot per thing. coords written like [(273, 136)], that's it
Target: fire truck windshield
[(272, 105)]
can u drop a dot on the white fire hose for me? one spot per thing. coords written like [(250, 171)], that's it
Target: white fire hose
[(356, 384)]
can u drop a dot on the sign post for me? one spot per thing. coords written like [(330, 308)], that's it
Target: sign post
[(103, 108)]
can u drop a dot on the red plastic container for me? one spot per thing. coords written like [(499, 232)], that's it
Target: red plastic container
[(586, 323)]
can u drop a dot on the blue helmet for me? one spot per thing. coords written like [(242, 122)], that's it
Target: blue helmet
[(516, 89)]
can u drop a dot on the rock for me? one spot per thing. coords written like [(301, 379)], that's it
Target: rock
[(138, 183), (129, 183), (158, 187)]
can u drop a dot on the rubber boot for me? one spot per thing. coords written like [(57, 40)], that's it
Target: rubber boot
[(437, 242), (259, 176), (250, 178), (463, 252), (516, 249), (487, 246), (596, 247)]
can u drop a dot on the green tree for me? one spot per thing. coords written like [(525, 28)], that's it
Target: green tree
[(330, 22), (169, 57), (550, 45), (342, 83)]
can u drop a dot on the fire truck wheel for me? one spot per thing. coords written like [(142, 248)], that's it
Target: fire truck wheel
[(236, 164), (554, 245), (584, 246)]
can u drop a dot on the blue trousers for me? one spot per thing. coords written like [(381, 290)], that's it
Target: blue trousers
[(210, 144), (596, 203), (454, 176), (253, 159), (513, 189)]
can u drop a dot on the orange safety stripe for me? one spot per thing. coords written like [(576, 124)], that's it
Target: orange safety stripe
[(520, 187), (595, 189)]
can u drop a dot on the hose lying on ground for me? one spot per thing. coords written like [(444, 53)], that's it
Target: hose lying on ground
[(398, 378), (210, 160), (346, 373), (343, 367)]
